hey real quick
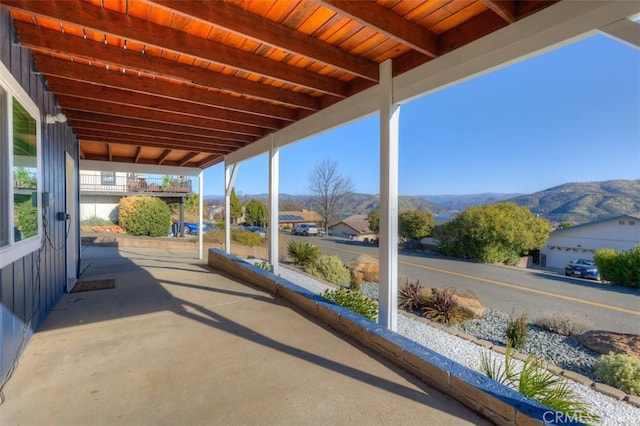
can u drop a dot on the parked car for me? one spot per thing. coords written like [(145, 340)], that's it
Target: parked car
[(584, 268), (256, 229), (194, 228), (304, 229)]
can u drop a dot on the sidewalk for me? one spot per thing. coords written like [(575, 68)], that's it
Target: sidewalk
[(176, 343)]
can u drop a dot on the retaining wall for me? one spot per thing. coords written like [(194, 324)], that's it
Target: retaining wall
[(498, 403)]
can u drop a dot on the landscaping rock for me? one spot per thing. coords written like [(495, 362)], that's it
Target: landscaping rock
[(364, 268), (471, 305), (608, 341)]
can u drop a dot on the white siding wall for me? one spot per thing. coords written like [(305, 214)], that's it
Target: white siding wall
[(566, 245), (102, 206)]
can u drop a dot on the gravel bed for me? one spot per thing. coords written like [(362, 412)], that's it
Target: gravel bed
[(560, 350)]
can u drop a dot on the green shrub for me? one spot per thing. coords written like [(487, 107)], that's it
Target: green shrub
[(517, 331), (564, 323), (216, 237), (95, 221), (412, 297), (143, 215), (26, 218), (250, 239), (534, 381), (619, 268), (331, 269), (302, 253), (443, 308), (263, 265), (353, 300), (620, 371)]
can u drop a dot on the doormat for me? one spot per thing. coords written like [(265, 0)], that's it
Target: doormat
[(93, 285)]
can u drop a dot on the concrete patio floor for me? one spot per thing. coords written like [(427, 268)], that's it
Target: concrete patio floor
[(177, 343)]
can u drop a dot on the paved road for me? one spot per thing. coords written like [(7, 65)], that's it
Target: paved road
[(510, 289)]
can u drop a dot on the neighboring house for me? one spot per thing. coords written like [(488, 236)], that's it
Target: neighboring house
[(292, 218), (581, 241), (214, 211), (355, 227), (101, 191)]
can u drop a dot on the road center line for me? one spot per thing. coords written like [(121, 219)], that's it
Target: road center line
[(502, 284)]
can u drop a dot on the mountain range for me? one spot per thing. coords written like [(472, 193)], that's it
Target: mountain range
[(571, 202)]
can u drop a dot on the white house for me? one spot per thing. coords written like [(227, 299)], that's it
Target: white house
[(581, 241), (355, 227), (101, 191)]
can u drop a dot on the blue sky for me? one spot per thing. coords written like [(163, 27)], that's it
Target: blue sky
[(571, 115)]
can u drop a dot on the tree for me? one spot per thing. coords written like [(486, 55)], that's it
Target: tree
[(328, 187), (415, 224), (236, 207), (256, 213), (494, 233), (374, 221), (192, 204)]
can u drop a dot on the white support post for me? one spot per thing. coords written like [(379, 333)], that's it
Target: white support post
[(274, 183), (229, 177), (388, 248), (200, 206)]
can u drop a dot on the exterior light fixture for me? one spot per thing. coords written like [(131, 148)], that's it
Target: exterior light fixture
[(57, 118)]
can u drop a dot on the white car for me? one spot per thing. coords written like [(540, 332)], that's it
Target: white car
[(304, 229)]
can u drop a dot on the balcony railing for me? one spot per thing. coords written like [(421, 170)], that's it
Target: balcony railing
[(113, 183)]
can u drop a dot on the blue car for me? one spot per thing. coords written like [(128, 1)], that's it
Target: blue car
[(583, 268), (194, 229)]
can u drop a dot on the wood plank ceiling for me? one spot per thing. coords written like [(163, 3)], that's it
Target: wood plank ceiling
[(183, 83)]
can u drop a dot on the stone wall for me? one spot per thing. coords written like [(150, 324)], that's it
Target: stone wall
[(498, 403)]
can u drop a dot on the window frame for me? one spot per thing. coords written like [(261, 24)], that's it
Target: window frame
[(12, 250), (107, 178)]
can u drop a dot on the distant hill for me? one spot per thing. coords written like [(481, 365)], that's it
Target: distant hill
[(461, 202), (572, 202), (584, 202)]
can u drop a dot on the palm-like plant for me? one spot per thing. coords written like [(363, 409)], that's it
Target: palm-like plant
[(302, 253), (411, 296), (535, 382), (443, 308)]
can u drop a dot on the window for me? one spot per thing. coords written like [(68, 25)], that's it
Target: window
[(632, 222), (107, 178), (20, 156)]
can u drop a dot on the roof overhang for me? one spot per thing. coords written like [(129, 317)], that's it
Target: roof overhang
[(556, 26)]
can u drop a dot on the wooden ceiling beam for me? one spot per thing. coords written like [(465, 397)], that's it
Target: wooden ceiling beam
[(78, 72), (95, 93), (109, 151), (167, 137), (91, 120), (150, 142), (472, 29), (119, 159), (506, 9), (164, 156), (49, 41), (187, 158), (138, 153), (387, 22), (127, 111), (236, 20), (96, 18), (212, 160)]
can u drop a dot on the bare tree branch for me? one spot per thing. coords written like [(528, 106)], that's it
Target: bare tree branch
[(328, 186)]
